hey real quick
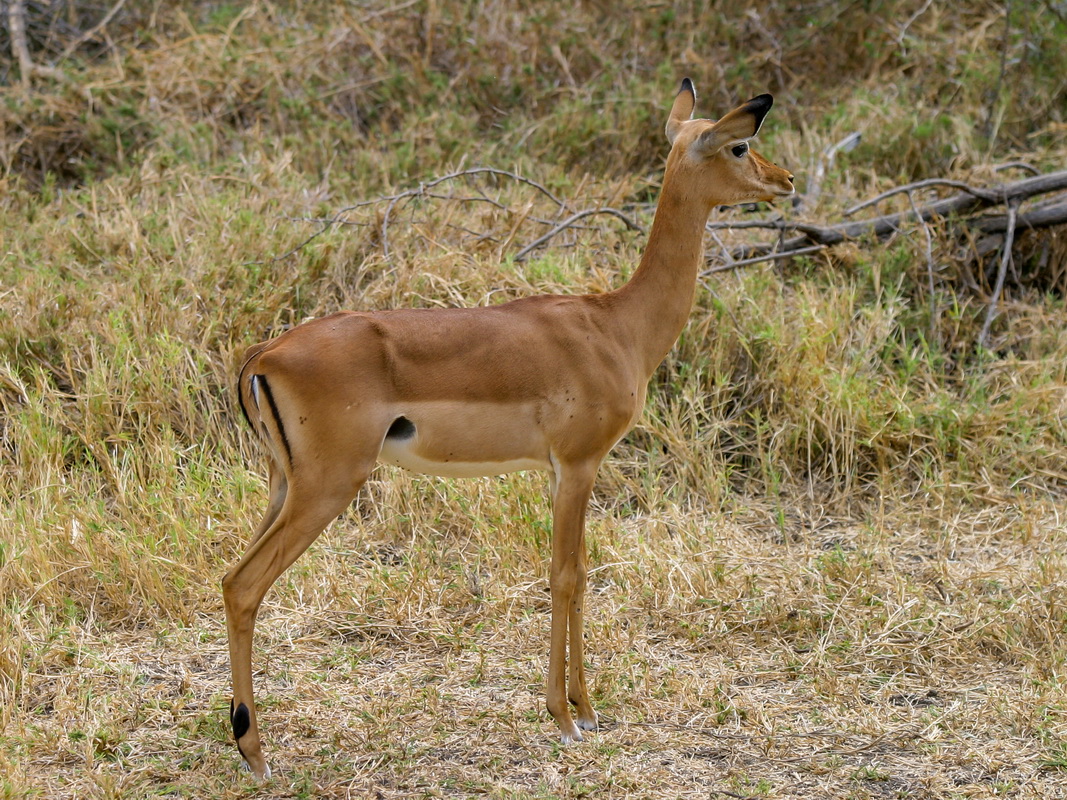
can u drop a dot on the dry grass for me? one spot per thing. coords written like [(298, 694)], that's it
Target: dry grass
[(831, 561)]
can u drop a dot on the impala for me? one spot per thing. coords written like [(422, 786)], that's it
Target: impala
[(548, 382)]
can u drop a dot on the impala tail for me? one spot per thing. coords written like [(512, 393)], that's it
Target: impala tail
[(260, 409)]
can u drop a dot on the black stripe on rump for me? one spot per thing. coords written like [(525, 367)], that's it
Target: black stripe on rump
[(274, 413), (241, 402)]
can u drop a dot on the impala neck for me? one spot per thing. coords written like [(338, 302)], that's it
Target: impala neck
[(656, 303)]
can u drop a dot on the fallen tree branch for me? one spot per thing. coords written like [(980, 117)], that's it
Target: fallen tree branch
[(908, 188), (814, 238), (1044, 217), (968, 201)]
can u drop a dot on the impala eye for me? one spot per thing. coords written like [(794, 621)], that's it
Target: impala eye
[(739, 150)]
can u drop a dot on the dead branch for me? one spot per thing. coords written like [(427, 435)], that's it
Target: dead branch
[(908, 188), (929, 268), (962, 206), (970, 200), (1044, 217), (1023, 165), (424, 190), (732, 265), (1002, 272), (16, 21), (826, 160), (569, 222), (93, 31), (904, 28), (394, 200)]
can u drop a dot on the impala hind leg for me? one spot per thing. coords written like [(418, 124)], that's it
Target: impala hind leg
[(278, 489), (577, 692), (571, 489), (303, 515)]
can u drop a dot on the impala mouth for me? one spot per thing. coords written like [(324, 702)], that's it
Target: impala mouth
[(780, 193), (772, 198)]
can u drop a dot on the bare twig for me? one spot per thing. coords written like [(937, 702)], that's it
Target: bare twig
[(904, 28), (1002, 271), (987, 128), (1017, 165), (501, 173), (481, 197), (423, 190), (296, 249), (569, 222), (16, 20), (89, 34), (803, 251), (396, 199), (908, 188), (929, 268), (826, 160)]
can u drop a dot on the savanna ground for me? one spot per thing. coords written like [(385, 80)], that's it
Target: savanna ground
[(830, 561)]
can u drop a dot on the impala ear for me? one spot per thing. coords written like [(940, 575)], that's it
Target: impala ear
[(739, 125), (682, 109)]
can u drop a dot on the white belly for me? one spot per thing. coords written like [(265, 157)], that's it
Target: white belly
[(399, 452)]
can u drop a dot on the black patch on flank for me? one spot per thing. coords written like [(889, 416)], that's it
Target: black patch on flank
[(274, 413), (241, 721), (402, 428)]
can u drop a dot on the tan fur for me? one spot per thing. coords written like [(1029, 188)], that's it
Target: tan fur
[(551, 382)]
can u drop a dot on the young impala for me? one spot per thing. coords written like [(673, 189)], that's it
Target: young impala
[(549, 383)]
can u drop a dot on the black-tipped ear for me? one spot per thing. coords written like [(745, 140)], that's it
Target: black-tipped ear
[(739, 125), (684, 103), (758, 107)]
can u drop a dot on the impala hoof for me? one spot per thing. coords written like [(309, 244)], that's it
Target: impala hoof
[(588, 724), (571, 737), (261, 777)]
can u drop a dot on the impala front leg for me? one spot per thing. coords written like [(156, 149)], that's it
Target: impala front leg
[(572, 486)]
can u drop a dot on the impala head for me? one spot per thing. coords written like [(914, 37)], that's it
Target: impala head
[(714, 157)]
